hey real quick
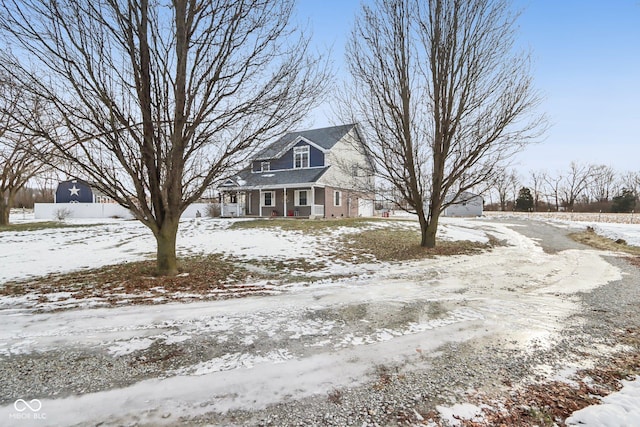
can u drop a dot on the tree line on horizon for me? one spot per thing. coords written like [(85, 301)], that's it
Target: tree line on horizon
[(580, 188)]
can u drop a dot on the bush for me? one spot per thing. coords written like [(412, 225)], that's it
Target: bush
[(213, 210), (62, 214), (625, 202), (524, 203)]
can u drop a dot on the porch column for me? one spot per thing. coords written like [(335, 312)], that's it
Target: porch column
[(313, 201), (260, 202), (285, 202), (237, 204), (222, 204)]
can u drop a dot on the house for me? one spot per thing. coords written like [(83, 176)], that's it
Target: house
[(79, 191), (467, 204), (318, 173)]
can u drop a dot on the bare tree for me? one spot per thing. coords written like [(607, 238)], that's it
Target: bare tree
[(18, 163), (162, 99), (552, 188), (537, 180), (631, 180), (45, 184), (515, 187), (575, 183), (503, 184), (441, 97), (601, 183)]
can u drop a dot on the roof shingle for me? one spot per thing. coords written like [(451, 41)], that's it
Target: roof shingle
[(323, 137), (248, 179)]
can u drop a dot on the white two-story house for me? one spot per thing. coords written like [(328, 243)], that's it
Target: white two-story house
[(318, 173)]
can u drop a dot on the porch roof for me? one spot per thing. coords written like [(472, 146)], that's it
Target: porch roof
[(247, 180)]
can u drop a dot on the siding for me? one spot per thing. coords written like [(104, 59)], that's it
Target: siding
[(316, 159), (343, 157)]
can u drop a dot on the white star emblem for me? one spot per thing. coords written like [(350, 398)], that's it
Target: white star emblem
[(75, 191)]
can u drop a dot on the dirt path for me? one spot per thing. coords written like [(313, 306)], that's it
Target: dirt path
[(382, 349)]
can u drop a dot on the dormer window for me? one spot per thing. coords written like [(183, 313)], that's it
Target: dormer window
[(301, 157), (265, 166)]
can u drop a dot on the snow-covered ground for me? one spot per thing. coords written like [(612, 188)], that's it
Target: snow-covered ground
[(517, 290), (628, 232), (111, 241), (619, 409)]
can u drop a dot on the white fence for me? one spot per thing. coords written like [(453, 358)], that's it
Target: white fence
[(100, 210)]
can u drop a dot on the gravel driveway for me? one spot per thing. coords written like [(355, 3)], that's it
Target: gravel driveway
[(388, 349)]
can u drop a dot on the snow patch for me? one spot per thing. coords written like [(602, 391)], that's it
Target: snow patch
[(461, 411), (621, 408), (234, 361), (127, 347)]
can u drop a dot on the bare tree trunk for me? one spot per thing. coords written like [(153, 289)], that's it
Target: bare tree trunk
[(5, 207), (429, 234), (166, 261)]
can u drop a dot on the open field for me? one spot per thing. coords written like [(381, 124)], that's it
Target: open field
[(613, 218)]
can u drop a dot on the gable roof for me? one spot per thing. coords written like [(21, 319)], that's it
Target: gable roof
[(324, 138)]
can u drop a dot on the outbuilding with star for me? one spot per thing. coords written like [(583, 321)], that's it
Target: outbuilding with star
[(74, 191)]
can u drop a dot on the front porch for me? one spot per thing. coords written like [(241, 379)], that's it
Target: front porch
[(315, 201), (287, 202), (315, 211)]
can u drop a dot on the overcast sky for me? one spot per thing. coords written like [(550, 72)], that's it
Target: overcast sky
[(586, 64)]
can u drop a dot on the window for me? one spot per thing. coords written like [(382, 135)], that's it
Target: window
[(302, 198), (337, 198), (301, 157), (268, 198), (265, 166)]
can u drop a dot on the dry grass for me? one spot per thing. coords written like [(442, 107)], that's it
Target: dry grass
[(45, 225), (400, 245), (136, 282), (306, 225), (591, 238), (550, 404)]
